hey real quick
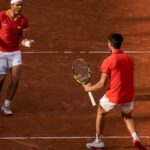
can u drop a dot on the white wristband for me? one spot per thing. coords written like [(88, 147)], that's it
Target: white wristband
[(27, 43)]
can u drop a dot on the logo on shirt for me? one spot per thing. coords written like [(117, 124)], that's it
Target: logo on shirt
[(18, 27)]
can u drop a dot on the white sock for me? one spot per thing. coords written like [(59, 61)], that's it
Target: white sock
[(7, 103), (135, 136), (99, 137)]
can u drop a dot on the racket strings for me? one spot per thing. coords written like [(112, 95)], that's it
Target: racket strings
[(81, 71)]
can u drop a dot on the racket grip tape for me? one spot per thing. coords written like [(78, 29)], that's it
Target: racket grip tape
[(92, 99)]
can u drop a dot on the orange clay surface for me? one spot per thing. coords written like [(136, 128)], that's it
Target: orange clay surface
[(49, 103)]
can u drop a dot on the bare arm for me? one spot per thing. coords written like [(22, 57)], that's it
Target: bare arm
[(100, 84)]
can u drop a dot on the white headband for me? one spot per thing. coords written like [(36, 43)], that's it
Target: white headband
[(15, 1)]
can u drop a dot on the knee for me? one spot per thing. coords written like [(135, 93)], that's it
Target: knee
[(15, 81)]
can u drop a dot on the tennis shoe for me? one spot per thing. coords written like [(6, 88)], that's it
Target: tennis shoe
[(97, 143), (6, 111), (139, 145)]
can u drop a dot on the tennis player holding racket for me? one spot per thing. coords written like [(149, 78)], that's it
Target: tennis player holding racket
[(13, 28), (118, 68)]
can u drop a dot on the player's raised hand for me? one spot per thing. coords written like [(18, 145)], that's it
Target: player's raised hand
[(27, 42)]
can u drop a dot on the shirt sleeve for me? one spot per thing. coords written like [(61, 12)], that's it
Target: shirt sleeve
[(0, 19), (105, 67), (25, 23)]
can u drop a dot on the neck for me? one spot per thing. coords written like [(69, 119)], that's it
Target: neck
[(114, 49), (11, 14)]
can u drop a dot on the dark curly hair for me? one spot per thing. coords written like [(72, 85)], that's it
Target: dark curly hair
[(116, 40)]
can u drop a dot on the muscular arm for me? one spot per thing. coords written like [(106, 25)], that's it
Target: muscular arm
[(100, 84)]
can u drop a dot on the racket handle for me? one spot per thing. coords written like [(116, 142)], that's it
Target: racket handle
[(92, 99)]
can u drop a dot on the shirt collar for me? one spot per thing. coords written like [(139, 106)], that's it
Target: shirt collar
[(8, 14), (117, 51)]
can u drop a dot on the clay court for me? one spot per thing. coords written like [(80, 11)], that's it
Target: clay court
[(51, 110)]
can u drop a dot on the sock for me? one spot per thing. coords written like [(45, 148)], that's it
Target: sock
[(7, 103), (99, 136), (135, 136)]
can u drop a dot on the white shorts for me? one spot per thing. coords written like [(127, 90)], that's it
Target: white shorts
[(108, 106), (9, 59)]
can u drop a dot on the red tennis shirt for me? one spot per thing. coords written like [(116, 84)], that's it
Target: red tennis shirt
[(10, 32), (120, 68)]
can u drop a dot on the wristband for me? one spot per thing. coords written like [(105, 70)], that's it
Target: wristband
[(27, 43)]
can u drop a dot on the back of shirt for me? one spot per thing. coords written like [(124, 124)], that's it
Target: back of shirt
[(120, 68)]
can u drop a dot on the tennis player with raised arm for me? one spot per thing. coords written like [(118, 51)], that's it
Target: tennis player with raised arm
[(118, 68), (13, 28)]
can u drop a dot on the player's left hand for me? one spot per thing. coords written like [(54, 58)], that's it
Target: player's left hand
[(27, 42)]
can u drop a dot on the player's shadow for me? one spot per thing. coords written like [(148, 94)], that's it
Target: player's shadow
[(123, 147), (142, 97)]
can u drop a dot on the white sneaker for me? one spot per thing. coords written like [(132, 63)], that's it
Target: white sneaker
[(96, 143), (6, 111)]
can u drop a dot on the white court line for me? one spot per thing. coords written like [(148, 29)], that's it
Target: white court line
[(82, 52), (69, 137)]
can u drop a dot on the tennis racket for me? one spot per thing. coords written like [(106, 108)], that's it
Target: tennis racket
[(81, 72)]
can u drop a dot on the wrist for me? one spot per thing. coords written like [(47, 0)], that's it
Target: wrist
[(27, 42)]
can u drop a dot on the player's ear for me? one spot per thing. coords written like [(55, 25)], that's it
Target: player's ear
[(109, 44)]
